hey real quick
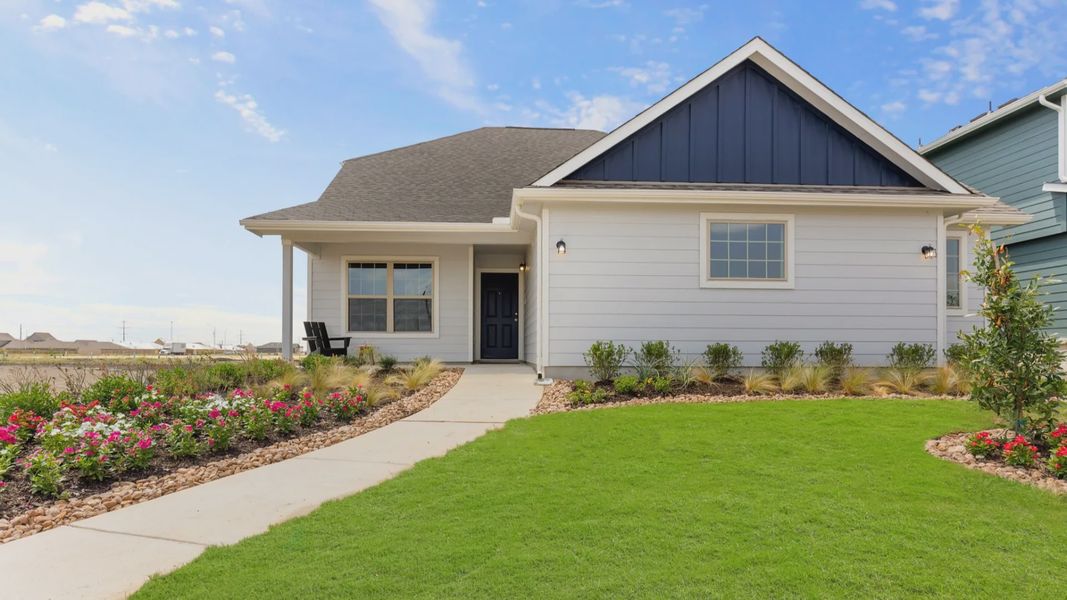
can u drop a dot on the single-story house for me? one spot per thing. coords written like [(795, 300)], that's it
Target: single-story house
[(752, 204), (1019, 153)]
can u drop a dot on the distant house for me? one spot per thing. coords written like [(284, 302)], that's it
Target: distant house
[(1019, 153), (5, 338), (752, 204), (274, 348), (45, 343)]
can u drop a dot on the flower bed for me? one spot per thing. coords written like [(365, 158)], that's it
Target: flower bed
[(1006, 454), (89, 459), (559, 397)]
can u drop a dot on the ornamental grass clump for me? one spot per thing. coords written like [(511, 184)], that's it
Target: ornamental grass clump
[(758, 384), (900, 381), (855, 381), (946, 381), (416, 376), (1014, 360)]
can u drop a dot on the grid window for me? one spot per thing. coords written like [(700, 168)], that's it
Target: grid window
[(754, 251), (952, 273), (390, 297)]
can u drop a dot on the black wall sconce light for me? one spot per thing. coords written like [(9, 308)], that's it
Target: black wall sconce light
[(561, 247), (928, 252)]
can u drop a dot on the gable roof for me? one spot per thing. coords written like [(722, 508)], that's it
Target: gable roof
[(799, 82), (1007, 109), (463, 178)]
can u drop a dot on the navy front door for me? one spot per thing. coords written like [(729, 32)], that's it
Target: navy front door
[(500, 316)]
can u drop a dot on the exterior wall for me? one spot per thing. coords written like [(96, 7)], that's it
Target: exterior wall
[(452, 340), (967, 318), (1046, 257), (1012, 160), (745, 127), (631, 274)]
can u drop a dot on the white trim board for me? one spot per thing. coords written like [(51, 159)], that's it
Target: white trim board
[(965, 241), (801, 83), (521, 333)]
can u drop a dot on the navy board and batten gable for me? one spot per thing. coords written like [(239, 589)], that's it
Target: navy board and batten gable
[(745, 127)]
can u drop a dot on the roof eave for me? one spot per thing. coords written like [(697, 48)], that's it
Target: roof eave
[(263, 227), (1054, 91)]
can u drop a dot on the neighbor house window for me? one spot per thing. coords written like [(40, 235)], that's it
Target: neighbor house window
[(954, 295), (390, 296), (746, 250)]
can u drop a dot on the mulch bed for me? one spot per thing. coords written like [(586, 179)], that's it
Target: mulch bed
[(951, 447), (555, 399), (25, 514)]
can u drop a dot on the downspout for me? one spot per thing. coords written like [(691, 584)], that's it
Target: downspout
[(1061, 136), (539, 363)]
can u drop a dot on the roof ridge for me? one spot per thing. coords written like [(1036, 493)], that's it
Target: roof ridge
[(466, 132)]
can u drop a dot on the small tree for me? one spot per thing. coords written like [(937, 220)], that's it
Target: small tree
[(1013, 363)]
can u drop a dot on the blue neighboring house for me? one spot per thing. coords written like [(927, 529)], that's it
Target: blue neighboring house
[(1018, 153)]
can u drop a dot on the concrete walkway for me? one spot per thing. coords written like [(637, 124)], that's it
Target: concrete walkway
[(113, 554)]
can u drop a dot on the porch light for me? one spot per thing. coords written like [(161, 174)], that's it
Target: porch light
[(929, 252), (522, 267), (561, 247)]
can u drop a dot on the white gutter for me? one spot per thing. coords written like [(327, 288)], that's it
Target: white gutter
[(276, 225), (1061, 129), (538, 262)]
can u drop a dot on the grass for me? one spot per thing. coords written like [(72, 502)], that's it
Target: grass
[(830, 498)]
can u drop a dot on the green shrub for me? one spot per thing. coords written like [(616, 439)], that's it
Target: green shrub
[(655, 359), (45, 473), (835, 357), (911, 357), (113, 389), (780, 356), (661, 384), (261, 370), (586, 393), (627, 384), (34, 397), (722, 360), (387, 363), (1015, 360), (605, 359), (310, 362), (956, 354), (223, 377)]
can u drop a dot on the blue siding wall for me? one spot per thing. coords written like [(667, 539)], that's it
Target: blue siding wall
[(1012, 160), (1046, 257), (745, 127)]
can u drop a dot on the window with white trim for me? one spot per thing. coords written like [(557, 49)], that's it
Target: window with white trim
[(953, 269), (390, 296), (746, 250)]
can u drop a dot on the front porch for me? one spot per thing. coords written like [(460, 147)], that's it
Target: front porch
[(458, 296)]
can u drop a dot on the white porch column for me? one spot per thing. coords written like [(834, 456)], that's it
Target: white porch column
[(287, 299)]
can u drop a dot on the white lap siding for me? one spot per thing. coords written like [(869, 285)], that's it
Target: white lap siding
[(452, 342), (631, 274)]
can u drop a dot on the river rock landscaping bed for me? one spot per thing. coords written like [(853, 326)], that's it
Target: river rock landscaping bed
[(25, 513), (556, 397), (953, 447)]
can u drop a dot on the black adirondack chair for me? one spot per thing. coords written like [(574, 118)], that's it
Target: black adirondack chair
[(320, 341)]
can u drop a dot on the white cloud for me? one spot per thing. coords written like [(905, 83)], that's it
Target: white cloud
[(99, 13), (171, 34), (51, 23), (653, 76), (246, 106), (535, 83), (217, 31), (599, 112), (122, 30), (23, 269), (918, 33), (440, 58), (189, 31), (136, 6), (929, 96), (941, 10), (878, 5), (602, 3), (686, 15), (895, 107), (224, 57)]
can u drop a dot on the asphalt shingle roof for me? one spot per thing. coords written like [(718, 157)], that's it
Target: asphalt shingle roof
[(463, 178)]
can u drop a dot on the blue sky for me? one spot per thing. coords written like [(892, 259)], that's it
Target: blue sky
[(135, 133)]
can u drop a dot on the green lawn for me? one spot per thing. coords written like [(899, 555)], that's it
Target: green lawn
[(771, 499)]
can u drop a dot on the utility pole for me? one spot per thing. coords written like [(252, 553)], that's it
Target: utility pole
[(124, 330), (213, 340)]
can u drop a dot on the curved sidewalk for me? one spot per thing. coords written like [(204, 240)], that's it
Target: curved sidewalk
[(113, 554)]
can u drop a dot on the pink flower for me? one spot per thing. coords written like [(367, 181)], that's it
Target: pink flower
[(188, 427), (68, 450), (214, 414), (144, 443), (234, 413)]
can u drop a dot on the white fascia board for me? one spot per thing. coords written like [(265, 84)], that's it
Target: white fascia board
[(996, 115), (800, 82), (783, 198), (275, 227), (1057, 187), (993, 219)]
